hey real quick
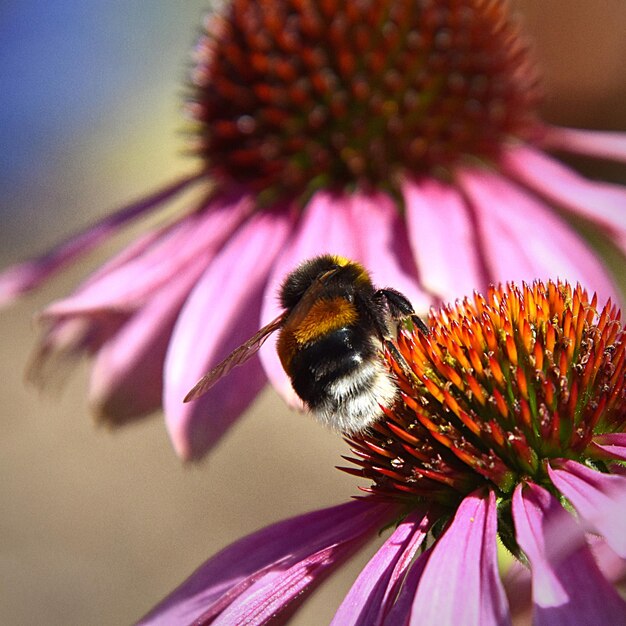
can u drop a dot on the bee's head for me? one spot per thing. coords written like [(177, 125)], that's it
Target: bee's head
[(327, 265)]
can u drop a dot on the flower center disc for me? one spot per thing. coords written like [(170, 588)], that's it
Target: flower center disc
[(294, 94), (499, 386)]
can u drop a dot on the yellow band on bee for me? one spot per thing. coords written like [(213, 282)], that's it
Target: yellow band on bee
[(323, 317), (342, 261)]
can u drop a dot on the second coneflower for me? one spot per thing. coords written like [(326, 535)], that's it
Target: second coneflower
[(403, 134), (510, 425)]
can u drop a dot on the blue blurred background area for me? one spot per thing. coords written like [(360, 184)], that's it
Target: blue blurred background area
[(90, 101), (96, 527), (64, 65)]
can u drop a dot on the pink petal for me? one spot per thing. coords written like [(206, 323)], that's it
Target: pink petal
[(460, 583), (127, 285), (127, 374), (507, 216), (600, 499), (612, 566), (26, 276), (568, 587), (602, 144), (500, 243), (278, 591), (531, 504), (376, 587), (517, 584), (444, 239), (383, 247), (220, 314), (68, 339), (400, 612), (401, 574), (139, 246), (324, 228), (602, 203), (612, 445), (517, 580), (277, 548)]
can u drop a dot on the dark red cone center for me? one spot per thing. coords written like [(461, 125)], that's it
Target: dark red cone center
[(291, 95)]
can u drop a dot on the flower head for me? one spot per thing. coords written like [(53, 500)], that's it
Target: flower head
[(402, 134), (510, 424), (294, 96), (499, 385)]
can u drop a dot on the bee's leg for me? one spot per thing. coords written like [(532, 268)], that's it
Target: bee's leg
[(400, 307), (400, 360)]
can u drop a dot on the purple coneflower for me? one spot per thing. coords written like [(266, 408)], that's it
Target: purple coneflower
[(510, 424), (401, 133)]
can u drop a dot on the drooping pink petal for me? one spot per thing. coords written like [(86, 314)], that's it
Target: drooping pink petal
[(220, 314), (610, 563), (525, 241), (568, 587), (383, 246), (443, 239), (602, 203), (401, 573), (517, 579), (611, 445), (371, 596), (128, 285), (139, 246), (324, 228), (536, 513), (518, 587), (127, 373), (66, 340), (232, 572), (400, 612), (596, 143), (278, 590), (460, 583), (24, 277), (600, 499), (502, 245)]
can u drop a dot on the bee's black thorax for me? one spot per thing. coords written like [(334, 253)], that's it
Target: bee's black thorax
[(341, 278)]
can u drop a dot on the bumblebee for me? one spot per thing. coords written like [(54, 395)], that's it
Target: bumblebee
[(333, 329)]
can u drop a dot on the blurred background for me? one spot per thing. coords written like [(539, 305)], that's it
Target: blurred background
[(96, 527)]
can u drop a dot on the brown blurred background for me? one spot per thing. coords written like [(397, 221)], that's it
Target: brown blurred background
[(96, 527)]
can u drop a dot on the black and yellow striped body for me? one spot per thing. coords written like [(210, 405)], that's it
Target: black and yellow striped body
[(331, 341), (332, 331)]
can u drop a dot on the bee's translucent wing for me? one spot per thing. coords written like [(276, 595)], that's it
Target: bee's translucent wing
[(235, 358)]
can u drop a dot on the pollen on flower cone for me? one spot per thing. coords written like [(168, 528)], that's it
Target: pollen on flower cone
[(499, 385), (291, 92)]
